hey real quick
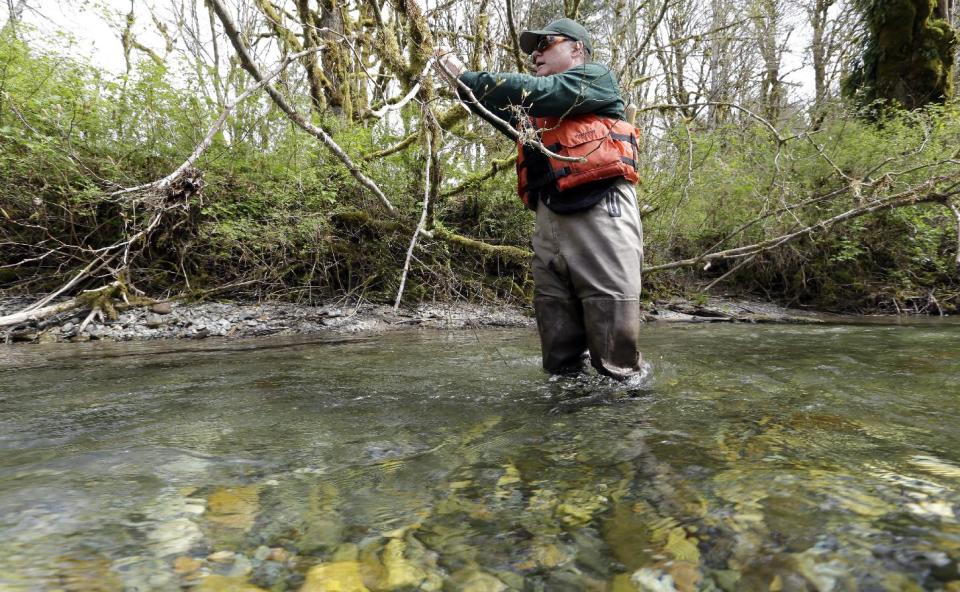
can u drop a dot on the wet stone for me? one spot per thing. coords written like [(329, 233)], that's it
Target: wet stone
[(218, 583), (471, 579), (261, 553), (342, 576), (268, 573), (222, 556), (186, 565)]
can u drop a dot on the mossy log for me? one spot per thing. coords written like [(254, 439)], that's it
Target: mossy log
[(506, 253)]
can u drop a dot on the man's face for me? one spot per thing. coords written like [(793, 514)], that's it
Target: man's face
[(556, 54)]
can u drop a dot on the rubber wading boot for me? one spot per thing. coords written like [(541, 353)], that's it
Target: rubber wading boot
[(613, 327), (563, 341)]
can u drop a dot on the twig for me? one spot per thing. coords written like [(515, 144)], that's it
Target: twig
[(956, 214), (428, 149), (751, 114), (382, 111), (732, 271), (514, 40), (646, 40)]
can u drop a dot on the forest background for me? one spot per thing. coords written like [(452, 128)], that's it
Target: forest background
[(306, 150)]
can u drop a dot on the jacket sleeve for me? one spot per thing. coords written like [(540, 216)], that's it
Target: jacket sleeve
[(580, 90)]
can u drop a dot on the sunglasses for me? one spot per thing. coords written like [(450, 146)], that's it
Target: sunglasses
[(548, 41)]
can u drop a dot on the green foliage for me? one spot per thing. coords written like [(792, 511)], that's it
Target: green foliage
[(276, 212), (282, 217), (740, 182)]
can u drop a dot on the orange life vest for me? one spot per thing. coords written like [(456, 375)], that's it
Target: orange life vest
[(609, 145)]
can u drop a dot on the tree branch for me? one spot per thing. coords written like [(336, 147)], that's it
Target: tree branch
[(427, 148), (922, 194), (246, 61)]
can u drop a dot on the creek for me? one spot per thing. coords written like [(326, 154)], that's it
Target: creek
[(761, 457)]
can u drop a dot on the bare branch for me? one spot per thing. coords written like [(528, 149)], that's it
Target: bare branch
[(215, 128), (751, 114), (248, 64), (428, 149), (646, 40), (923, 194), (956, 214)]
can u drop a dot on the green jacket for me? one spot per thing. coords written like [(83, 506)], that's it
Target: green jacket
[(589, 88)]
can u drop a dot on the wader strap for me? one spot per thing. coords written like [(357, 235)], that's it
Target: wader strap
[(550, 177)]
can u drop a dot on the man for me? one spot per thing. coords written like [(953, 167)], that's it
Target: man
[(588, 243)]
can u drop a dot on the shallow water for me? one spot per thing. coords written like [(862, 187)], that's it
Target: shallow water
[(760, 458)]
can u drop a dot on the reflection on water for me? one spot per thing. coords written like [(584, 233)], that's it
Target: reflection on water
[(762, 458)]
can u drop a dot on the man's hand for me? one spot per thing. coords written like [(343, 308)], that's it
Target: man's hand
[(448, 63)]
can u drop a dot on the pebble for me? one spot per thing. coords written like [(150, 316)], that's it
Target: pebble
[(222, 556), (184, 565), (261, 553), (162, 308), (241, 567)]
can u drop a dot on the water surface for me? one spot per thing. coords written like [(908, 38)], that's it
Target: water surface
[(761, 458)]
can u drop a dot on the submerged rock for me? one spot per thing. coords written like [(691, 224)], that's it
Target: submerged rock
[(339, 576), (86, 574), (174, 537), (472, 579), (234, 507), (216, 583), (186, 565)]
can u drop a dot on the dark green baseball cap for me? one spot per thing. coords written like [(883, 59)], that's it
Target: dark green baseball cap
[(566, 27)]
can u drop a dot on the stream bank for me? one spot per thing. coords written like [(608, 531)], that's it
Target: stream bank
[(180, 320)]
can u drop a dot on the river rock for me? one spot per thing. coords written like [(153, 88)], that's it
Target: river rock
[(339, 576), (174, 537), (652, 580), (154, 321), (241, 567), (269, 573), (50, 336), (222, 557), (471, 579), (398, 571), (162, 308), (261, 553), (85, 574), (234, 507), (186, 565), (25, 335), (279, 554), (68, 326), (141, 573), (216, 583)]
